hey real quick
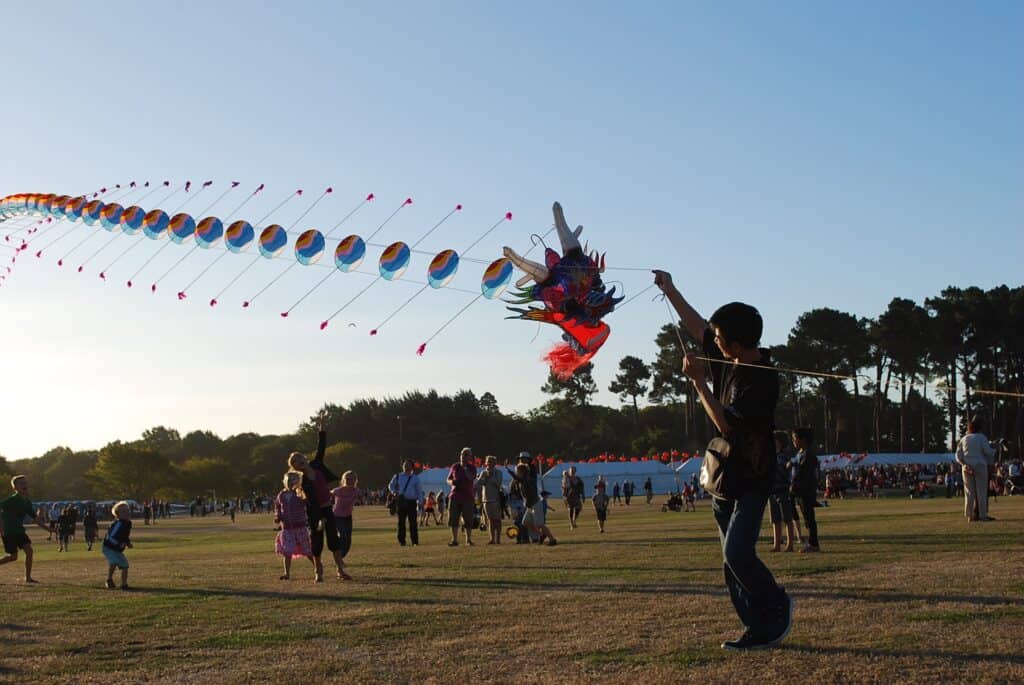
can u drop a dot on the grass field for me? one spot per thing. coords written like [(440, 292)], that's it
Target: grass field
[(904, 590)]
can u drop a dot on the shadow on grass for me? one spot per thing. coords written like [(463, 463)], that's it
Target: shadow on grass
[(926, 656), (268, 594), (653, 589), (871, 595)]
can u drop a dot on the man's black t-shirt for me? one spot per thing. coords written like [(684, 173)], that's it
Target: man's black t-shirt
[(749, 395)]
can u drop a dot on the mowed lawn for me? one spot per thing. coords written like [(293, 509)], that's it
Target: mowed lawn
[(904, 590)]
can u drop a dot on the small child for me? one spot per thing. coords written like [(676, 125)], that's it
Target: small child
[(600, 500), (92, 527), (117, 539), (689, 498), (344, 497), (540, 517), (290, 512), (430, 507)]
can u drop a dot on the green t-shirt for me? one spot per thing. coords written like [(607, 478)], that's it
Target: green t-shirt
[(14, 509)]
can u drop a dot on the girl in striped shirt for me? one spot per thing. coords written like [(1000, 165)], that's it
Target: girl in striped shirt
[(290, 512)]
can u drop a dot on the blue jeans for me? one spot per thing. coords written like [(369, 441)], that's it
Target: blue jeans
[(752, 587)]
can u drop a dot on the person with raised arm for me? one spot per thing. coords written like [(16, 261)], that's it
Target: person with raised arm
[(741, 403)]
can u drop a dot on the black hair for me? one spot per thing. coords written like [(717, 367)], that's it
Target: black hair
[(739, 323), (805, 433)]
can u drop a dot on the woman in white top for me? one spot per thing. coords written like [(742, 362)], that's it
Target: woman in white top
[(974, 452)]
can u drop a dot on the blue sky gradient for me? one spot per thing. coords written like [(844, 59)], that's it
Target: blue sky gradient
[(792, 156)]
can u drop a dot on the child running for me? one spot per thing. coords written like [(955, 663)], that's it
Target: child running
[(13, 510), (689, 498), (345, 496), (290, 512), (117, 539)]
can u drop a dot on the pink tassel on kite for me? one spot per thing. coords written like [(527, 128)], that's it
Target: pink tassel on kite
[(129, 284), (284, 315), (421, 349), (235, 184), (323, 324), (213, 302), (152, 288), (103, 275), (369, 197), (181, 295), (207, 184), (188, 184), (245, 305)]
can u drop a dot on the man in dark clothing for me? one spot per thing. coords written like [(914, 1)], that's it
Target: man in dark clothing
[(742, 407)]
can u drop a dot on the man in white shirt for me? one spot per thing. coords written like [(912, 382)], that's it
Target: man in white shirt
[(405, 487)]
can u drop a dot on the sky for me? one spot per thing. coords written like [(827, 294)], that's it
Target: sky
[(791, 155)]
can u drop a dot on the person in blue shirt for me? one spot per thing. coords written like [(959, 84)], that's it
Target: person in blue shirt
[(405, 488), (117, 539)]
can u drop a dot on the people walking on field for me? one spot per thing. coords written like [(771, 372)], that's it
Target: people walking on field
[(648, 490), (627, 491), (617, 493), (406, 491), (91, 526), (804, 488), (535, 515), (779, 502), (461, 477), (974, 454), (344, 498), (14, 509), (572, 495), (600, 500), (491, 492), (292, 515), (741, 404), (114, 543), (65, 528), (315, 484)]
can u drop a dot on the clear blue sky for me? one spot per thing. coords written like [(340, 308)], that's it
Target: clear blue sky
[(839, 153)]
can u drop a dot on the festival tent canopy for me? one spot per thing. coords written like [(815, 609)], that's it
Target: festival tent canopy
[(434, 480), (841, 461), (689, 467), (663, 479)]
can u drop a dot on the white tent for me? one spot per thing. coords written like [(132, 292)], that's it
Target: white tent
[(434, 480), (663, 479), (841, 461), (689, 467)]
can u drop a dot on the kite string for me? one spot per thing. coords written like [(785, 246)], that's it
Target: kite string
[(400, 308), (323, 324), (408, 201), (165, 245), (345, 218), (138, 242)]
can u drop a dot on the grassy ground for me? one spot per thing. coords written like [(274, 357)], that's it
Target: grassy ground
[(905, 590)]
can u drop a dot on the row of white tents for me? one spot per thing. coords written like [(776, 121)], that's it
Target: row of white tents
[(671, 477)]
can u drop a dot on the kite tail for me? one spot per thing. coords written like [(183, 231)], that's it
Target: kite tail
[(564, 360)]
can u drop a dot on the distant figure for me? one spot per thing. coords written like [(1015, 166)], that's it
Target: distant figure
[(804, 488), (779, 502), (344, 497), (600, 500), (489, 482), (405, 487), (92, 527), (617, 493), (974, 453), (572, 495), (648, 490), (461, 476)]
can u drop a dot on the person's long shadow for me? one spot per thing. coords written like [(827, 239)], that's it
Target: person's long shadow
[(617, 588), (924, 655)]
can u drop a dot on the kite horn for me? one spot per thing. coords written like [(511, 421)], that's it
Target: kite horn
[(535, 271)]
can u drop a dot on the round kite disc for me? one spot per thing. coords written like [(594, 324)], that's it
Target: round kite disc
[(239, 235), (496, 278), (394, 261), (131, 219), (181, 228), (73, 208), (310, 247), (349, 254), (110, 216), (273, 239), (91, 212), (57, 206), (442, 268), (209, 231), (154, 224)]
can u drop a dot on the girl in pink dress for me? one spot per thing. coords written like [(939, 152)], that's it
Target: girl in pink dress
[(290, 512)]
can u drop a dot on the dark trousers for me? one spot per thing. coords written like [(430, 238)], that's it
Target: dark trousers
[(344, 525), (807, 503), (752, 587), (407, 516), (319, 532)]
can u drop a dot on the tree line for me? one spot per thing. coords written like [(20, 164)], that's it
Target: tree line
[(889, 383)]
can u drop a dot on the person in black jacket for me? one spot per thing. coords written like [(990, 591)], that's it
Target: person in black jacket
[(741, 403), (316, 480), (805, 484)]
